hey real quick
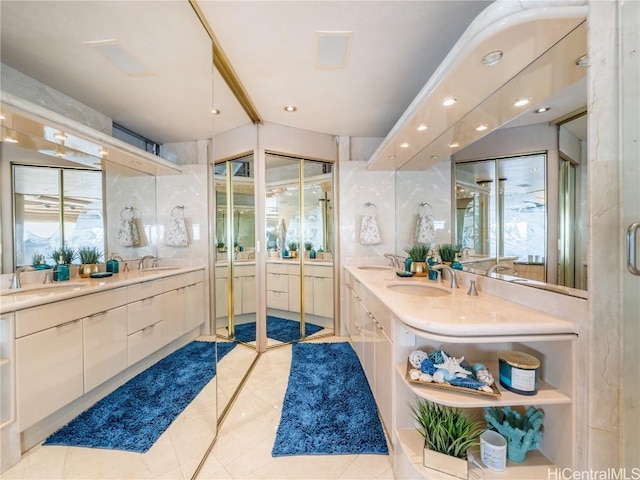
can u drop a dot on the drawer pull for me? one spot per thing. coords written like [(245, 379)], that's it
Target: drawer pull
[(67, 323), (148, 328), (98, 314)]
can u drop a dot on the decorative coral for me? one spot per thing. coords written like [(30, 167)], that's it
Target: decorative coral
[(521, 431)]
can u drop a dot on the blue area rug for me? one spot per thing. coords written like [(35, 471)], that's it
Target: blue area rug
[(279, 329), (134, 415), (328, 408)]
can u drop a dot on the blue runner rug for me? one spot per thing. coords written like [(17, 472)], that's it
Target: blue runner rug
[(133, 416), (328, 408), (279, 329)]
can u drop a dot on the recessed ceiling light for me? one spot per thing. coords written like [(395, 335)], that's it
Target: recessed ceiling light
[(391, 157), (534, 170), (447, 102), (290, 108), (215, 111), (404, 145), (454, 145), (433, 157), (542, 109), (521, 102), (10, 138), (492, 58), (582, 61), (60, 136), (422, 127), (482, 127)]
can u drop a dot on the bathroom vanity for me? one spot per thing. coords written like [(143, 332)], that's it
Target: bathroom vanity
[(66, 345), (389, 317)]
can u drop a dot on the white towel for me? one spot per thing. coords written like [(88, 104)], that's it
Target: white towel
[(425, 229), (128, 233), (369, 231), (177, 235)]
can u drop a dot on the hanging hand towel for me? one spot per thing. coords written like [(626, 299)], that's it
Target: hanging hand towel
[(177, 232), (127, 229), (369, 231), (425, 229)]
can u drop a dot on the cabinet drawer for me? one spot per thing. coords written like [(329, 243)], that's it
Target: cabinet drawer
[(279, 300), (144, 290), (178, 281), (244, 270), (318, 271), (143, 313), (40, 318), (277, 282), (48, 372), (145, 342), (277, 268)]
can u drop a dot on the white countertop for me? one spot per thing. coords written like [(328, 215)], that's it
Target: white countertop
[(31, 296), (458, 314)]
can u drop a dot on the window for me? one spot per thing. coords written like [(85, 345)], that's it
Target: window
[(53, 207)]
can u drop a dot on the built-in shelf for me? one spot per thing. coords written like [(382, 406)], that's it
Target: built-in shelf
[(547, 394), (536, 464)]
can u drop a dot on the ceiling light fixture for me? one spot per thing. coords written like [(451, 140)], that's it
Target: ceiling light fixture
[(482, 127), (215, 111), (454, 145), (10, 138), (422, 127), (521, 102), (2, 116), (447, 102), (542, 109), (582, 61), (433, 157), (290, 108), (404, 145), (492, 58), (391, 157)]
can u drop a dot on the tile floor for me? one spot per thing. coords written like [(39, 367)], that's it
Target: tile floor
[(242, 449)]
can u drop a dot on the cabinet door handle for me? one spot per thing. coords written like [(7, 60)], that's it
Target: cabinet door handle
[(148, 328), (67, 323), (98, 314), (632, 265)]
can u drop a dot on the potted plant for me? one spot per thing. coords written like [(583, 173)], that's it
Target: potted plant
[(89, 258), (308, 250), (63, 255), (448, 252), (448, 434), (293, 249), (37, 261), (418, 254), (220, 247)]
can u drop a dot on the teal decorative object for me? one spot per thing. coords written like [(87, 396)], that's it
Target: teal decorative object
[(312, 254), (521, 431)]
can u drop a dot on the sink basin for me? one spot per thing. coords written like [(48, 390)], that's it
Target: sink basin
[(42, 288), (374, 267), (418, 290)]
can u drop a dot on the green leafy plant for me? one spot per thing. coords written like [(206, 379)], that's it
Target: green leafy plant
[(448, 251), (89, 255), (37, 258), (446, 429), (293, 246), (418, 252), (220, 245), (308, 245), (65, 253)]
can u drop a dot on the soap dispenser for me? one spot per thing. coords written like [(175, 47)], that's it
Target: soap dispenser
[(112, 265), (60, 271)]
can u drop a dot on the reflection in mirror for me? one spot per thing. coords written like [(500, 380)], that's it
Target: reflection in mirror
[(235, 272), (507, 215), (299, 227), (130, 202)]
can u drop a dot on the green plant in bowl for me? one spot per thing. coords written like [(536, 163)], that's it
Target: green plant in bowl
[(446, 429), (418, 252), (89, 255), (63, 255), (293, 246), (308, 246), (448, 251), (37, 259)]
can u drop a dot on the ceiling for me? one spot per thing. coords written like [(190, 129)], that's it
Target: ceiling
[(394, 48)]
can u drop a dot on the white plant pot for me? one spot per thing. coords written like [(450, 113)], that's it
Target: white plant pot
[(456, 467)]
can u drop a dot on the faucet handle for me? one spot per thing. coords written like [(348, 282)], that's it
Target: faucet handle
[(47, 278), (472, 288)]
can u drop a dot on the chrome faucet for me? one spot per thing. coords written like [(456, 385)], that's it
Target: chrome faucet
[(394, 260), (143, 259), (452, 274), (497, 268), (15, 283)]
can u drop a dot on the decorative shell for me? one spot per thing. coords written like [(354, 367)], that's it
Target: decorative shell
[(485, 377), (438, 377), (416, 357), (437, 356), (452, 367), (425, 377), (427, 366), (467, 383), (414, 374)]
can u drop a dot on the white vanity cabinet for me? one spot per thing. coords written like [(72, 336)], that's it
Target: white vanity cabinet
[(182, 304), (244, 292), (10, 451), (278, 286), (145, 314)]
